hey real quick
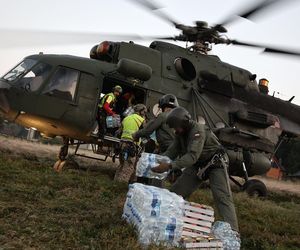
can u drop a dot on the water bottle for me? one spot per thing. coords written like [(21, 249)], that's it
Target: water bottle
[(230, 239), (109, 122)]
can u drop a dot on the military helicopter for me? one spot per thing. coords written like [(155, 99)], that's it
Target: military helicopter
[(58, 95)]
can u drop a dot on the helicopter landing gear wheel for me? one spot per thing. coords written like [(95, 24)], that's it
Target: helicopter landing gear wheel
[(255, 188), (58, 166)]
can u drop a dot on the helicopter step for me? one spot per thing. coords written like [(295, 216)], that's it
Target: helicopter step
[(106, 147)]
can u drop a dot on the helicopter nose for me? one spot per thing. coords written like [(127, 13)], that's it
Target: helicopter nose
[(4, 88), (4, 105)]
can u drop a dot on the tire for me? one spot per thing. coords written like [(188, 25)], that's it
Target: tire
[(255, 188)]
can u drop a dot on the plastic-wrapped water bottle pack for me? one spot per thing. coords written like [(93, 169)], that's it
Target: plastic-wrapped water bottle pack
[(156, 214), (113, 121), (230, 239), (148, 161)]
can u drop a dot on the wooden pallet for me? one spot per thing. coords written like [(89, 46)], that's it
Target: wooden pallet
[(201, 243), (197, 225), (197, 220)]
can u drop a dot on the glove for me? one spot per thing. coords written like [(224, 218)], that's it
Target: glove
[(162, 167)]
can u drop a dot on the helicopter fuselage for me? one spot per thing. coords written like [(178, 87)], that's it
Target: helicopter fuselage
[(226, 97)]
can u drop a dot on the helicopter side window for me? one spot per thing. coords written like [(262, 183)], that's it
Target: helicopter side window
[(34, 78), (19, 70), (63, 84)]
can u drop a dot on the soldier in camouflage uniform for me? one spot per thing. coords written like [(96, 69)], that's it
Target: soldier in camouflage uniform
[(194, 146)]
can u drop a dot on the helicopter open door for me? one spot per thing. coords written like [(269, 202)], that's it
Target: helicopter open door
[(131, 94)]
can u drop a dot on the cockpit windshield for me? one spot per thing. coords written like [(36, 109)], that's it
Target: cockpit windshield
[(19, 70), (28, 75)]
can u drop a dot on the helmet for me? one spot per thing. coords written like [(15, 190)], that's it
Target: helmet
[(117, 88), (139, 108), (178, 118), (168, 100)]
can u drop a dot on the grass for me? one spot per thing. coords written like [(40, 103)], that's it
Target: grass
[(40, 209)]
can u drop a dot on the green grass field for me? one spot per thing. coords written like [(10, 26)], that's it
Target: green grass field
[(40, 209)]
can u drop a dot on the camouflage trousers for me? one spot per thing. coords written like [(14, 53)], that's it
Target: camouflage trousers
[(126, 169)]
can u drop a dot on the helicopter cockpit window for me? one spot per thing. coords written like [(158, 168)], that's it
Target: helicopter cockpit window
[(34, 78), (63, 84), (19, 70), (185, 68)]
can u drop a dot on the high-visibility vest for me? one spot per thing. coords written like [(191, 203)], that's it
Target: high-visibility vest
[(105, 98), (131, 124)]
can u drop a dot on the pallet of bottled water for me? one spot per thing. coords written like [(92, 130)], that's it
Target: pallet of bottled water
[(156, 214), (148, 161), (162, 217)]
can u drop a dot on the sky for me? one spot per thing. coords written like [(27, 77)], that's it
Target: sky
[(278, 26)]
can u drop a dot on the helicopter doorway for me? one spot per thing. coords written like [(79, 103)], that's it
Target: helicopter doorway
[(130, 96)]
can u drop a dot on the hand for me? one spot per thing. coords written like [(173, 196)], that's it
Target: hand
[(162, 167), (174, 175), (115, 115)]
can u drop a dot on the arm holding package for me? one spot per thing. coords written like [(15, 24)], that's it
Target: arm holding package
[(194, 150), (149, 128), (106, 106), (173, 150)]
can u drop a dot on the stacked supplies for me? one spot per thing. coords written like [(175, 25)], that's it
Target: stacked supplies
[(156, 214), (162, 217)]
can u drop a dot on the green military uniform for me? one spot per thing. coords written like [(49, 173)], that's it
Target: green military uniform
[(164, 134), (126, 169), (194, 150)]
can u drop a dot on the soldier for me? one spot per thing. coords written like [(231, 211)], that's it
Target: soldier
[(164, 134), (196, 146), (130, 125), (106, 106)]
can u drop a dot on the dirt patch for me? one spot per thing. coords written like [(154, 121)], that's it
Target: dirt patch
[(283, 186), (31, 150), (23, 147)]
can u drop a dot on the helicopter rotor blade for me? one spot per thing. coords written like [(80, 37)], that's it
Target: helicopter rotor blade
[(249, 12), (265, 4), (266, 48), (29, 38), (156, 10)]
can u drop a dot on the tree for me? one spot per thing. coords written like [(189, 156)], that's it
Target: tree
[(289, 153)]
